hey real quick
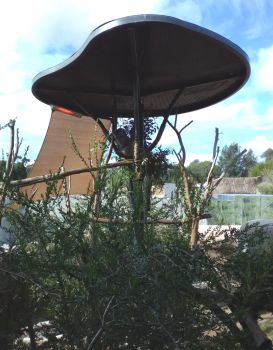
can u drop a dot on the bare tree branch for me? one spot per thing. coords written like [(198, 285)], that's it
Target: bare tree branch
[(215, 145), (58, 175), (10, 160), (182, 150), (96, 336), (158, 221), (215, 154)]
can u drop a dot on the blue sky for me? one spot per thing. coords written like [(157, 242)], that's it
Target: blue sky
[(36, 35)]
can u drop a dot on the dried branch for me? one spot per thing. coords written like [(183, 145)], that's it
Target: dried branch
[(182, 158), (109, 153), (58, 175), (195, 211), (158, 221), (165, 120), (215, 145), (94, 339), (12, 156), (66, 189), (10, 160), (215, 154)]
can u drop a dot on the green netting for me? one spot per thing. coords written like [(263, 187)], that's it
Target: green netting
[(238, 209)]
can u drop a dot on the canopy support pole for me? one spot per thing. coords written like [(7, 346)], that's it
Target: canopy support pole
[(138, 207)]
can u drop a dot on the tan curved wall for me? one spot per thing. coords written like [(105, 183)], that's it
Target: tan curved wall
[(57, 145)]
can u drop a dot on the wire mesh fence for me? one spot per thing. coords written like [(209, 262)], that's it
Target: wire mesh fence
[(237, 209)]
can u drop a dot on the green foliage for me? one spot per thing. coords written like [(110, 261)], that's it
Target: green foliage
[(86, 277), (93, 285), (266, 188), (268, 155), (19, 170), (15, 312), (233, 164), (150, 128), (262, 169), (199, 170), (265, 170), (240, 209), (80, 268)]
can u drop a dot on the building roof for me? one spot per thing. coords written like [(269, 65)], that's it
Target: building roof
[(243, 185)]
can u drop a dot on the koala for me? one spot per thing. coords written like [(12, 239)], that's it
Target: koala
[(123, 143)]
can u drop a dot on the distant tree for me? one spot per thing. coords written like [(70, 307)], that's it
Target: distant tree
[(265, 170), (199, 170), (262, 169), (19, 170), (265, 188), (268, 155), (233, 164)]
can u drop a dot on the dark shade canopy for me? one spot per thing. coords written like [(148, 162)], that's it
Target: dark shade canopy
[(172, 55)]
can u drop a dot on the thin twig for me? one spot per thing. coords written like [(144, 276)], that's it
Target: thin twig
[(93, 341)]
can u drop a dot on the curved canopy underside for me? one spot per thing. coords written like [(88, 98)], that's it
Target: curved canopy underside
[(171, 55)]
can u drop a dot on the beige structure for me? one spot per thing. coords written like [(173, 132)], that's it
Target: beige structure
[(242, 185), (57, 150)]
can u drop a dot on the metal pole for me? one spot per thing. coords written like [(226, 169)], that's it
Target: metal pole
[(138, 144), (139, 140)]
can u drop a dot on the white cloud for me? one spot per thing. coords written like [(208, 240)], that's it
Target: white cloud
[(200, 156), (57, 24), (37, 35), (239, 114), (221, 114), (190, 157), (263, 69), (259, 144), (32, 118), (187, 10)]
